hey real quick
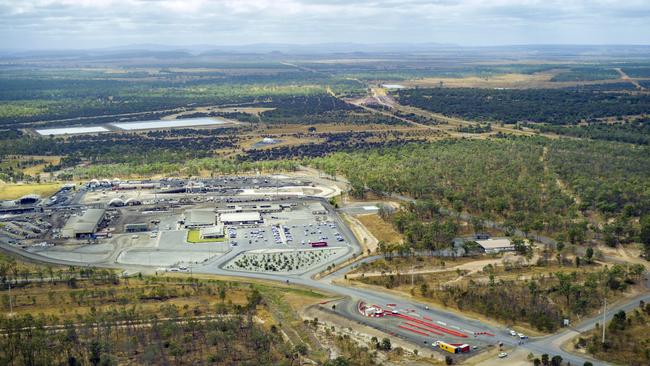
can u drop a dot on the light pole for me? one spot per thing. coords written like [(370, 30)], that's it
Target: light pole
[(11, 307), (604, 313)]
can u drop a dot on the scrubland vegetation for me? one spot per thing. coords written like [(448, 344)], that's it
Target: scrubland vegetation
[(81, 316), (587, 188), (627, 339), (517, 181), (635, 131), (539, 294)]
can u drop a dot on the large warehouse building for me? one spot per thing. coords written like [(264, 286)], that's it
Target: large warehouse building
[(241, 218), (83, 226), (199, 218)]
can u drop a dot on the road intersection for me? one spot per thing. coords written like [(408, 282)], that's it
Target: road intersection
[(475, 330)]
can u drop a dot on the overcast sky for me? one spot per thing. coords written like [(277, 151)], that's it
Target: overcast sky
[(49, 24)]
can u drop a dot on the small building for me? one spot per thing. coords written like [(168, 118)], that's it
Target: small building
[(136, 228), (496, 245), (212, 232), (83, 226), (199, 218), (241, 218)]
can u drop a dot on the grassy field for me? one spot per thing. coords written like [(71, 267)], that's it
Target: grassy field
[(14, 191), (194, 236), (380, 229), (545, 79)]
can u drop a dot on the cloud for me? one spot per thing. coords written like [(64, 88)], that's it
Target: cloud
[(95, 23)]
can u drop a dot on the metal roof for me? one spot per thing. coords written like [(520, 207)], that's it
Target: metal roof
[(86, 223), (494, 243), (199, 217), (210, 230), (241, 216)]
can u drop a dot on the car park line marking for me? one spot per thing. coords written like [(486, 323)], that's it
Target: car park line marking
[(423, 328), (437, 327), (413, 330)]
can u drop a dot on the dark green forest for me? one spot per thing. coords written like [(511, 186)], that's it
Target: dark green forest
[(533, 105)]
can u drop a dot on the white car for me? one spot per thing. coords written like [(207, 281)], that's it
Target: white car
[(513, 333), (503, 355)]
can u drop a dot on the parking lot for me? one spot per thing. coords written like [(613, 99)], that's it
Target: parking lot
[(143, 222), (288, 235)]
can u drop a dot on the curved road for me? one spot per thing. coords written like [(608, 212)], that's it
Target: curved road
[(549, 344)]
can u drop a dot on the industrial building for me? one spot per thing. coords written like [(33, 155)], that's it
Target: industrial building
[(496, 245), (135, 228), (262, 208), (212, 232), (241, 218), (199, 218), (83, 226)]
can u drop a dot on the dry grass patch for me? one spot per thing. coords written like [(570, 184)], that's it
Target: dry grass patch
[(380, 229), (513, 80), (15, 191)]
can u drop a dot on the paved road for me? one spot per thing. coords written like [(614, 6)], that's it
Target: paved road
[(550, 344)]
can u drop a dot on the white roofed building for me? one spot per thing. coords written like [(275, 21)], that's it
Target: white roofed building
[(496, 245), (212, 232), (199, 218), (240, 218)]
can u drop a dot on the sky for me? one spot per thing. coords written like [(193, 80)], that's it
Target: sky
[(76, 24)]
